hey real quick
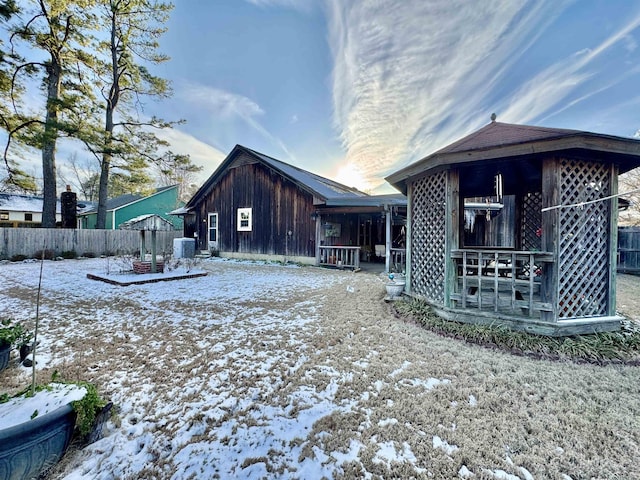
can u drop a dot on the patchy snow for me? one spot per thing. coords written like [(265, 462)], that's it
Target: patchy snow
[(260, 370), (20, 410), (444, 446)]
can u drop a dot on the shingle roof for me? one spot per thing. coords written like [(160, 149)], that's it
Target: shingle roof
[(504, 141), (126, 199), (22, 203), (499, 134)]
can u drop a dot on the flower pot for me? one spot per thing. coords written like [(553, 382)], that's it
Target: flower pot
[(28, 449), (395, 288), (5, 354)]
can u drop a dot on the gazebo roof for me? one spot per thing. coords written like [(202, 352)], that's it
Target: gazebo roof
[(504, 141)]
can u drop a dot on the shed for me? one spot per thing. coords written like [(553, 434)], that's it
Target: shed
[(549, 197)]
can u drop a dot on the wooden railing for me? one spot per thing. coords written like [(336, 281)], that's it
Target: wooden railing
[(504, 281), (399, 260), (340, 256)]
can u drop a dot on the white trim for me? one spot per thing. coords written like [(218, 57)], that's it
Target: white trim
[(245, 219)]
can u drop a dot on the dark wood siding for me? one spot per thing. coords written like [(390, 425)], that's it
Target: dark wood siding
[(278, 206)]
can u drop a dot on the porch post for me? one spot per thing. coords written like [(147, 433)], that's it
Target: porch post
[(408, 241), (154, 267), (318, 230), (142, 245), (387, 241), (454, 208), (613, 238)]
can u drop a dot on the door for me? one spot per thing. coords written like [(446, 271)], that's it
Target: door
[(213, 231)]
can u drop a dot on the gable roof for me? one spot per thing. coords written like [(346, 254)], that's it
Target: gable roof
[(321, 187), (126, 199), (15, 202), (504, 140)]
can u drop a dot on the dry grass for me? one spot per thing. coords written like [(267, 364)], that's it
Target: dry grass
[(443, 405)]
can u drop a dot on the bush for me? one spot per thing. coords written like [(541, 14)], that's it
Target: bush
[(89, 255), (48, 254), (18, 258), (68, 254)]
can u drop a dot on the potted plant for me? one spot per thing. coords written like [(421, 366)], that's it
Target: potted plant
[(10, 335), (39, 422), (395, 286)]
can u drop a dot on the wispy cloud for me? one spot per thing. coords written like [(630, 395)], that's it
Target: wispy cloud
[(412, 75), (551, 86), (201, 153), (301, 5), (228, 107)]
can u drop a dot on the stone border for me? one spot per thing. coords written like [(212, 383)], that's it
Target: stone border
[(111, 281)]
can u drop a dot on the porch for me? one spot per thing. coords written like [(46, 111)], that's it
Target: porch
[(367, 232)]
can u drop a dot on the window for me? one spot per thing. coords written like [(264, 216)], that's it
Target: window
[(28, 217), (213, 227), (244, 219), (4, 215)]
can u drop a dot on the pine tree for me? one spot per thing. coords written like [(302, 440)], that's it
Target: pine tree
[(133, 27), (59, 31)]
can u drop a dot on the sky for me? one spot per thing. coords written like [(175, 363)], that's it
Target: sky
[(356, 90)]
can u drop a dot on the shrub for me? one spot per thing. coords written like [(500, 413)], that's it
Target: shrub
[(68, 254), (89, 255), (12, 334), (18, 258), (623, 345), (48, 254)]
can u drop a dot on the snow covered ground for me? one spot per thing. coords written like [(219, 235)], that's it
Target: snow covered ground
[(266, 371)]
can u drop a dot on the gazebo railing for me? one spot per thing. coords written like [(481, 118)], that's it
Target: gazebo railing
[(340, 256), (500, 280)]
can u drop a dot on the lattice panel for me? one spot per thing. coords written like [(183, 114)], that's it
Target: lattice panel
[(428, 237), (584, 240), (531, 221)]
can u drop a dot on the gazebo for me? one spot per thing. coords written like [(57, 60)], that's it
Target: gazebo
[(517, 225)]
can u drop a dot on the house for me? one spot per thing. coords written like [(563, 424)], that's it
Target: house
[(125, 207), (22, 210), (517, 225), (254, 206)]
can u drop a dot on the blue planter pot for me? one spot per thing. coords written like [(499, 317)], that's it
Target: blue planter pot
[(28, 449), (5, 353)]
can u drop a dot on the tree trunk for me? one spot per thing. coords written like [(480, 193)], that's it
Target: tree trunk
[(54, 77), (111, 104)]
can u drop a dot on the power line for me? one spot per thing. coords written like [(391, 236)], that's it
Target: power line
[(582, 204)]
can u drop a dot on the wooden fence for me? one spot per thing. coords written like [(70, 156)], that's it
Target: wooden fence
[(629, 249), (29, 241)]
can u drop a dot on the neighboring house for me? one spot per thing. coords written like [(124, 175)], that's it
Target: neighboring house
[(125, 207), (18, 210), (540, 254), (22, 210), (254, 206)]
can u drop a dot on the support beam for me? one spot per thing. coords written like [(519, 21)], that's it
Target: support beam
[(387, 242)]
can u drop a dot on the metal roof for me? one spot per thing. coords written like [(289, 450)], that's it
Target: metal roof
[(329, 191), (322, 186)]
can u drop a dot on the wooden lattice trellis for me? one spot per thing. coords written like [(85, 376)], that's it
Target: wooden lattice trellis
[(583, 285), (428, 232), (531, 221)]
